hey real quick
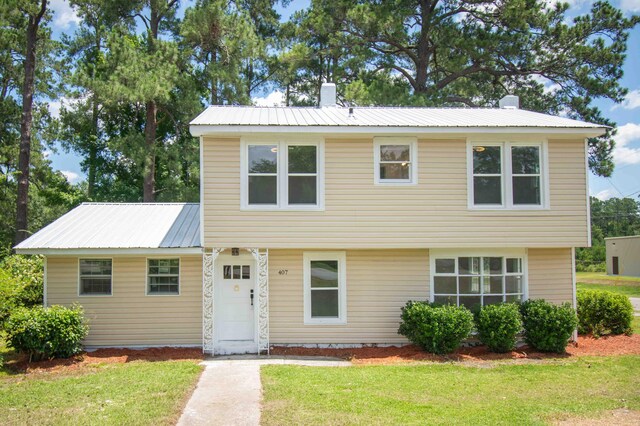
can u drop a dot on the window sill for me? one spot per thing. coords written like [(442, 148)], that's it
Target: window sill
[(325, 322), (396, 183), (283, 209), (509, 209)]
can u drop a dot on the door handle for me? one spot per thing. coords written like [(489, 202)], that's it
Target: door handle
[(251, 296)]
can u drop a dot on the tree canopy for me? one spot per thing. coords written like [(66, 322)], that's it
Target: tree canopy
[(133, 73)]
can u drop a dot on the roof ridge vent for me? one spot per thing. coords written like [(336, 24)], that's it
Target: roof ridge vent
[(509, 102), (328, 95)]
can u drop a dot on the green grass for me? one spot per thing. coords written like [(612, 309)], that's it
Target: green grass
[(448, 393), (141, 393), (629, 286), (601, 276), (627, 290)]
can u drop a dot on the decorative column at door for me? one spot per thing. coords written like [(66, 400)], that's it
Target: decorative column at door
[(262, 266), (208, 278)]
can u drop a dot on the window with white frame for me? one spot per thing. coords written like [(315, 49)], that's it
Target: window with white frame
[(478, 280), (395, 160), (95, 277), (325, 288), (507, 175), (282, 175), (163, 276)]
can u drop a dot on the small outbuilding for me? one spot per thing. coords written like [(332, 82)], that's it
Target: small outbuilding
[(623, 255)]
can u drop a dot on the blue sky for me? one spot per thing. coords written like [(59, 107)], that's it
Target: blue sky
[(625, 180)]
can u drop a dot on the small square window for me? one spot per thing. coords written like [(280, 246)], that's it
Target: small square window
[(395, 160), (95, 277)]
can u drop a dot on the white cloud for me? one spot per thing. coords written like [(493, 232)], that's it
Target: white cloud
[(630, 5), (605, 194), (63, 14), (549, 86), (631, 101), (623, 153), (54, 108), (72, 177), (275, 98)]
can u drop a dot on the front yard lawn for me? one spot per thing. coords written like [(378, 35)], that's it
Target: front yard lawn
[(141, 393), (531, 393), (629, 286)]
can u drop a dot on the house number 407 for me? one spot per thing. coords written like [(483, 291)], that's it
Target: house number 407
[(283, 271)]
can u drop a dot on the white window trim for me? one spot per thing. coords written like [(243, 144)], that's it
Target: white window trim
[(507, 184), (341, 257), (146, 277), (413, 160), (282, 181), (79, 276), (455, 253)]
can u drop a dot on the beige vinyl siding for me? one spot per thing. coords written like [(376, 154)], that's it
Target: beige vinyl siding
[(550, 275), (379, 283), (359, 214), (129, 317)]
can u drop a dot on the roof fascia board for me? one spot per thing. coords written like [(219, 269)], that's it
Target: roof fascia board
[(109, 251), (202, 130)]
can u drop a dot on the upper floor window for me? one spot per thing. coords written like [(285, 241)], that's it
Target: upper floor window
[(395, 160), (95, 277), (507, 175), (282, 175)]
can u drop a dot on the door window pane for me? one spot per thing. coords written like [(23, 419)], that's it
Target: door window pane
[(487, 190), (302, 159), (302, 190), (246, 272), (526, 190), (226, 272), (236, 272), (263, 190)]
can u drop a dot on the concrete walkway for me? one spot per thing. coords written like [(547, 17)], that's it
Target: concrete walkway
[(229, 391), (635, 301)]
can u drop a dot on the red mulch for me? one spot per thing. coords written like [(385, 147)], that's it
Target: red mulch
[(107, 356), (586, 346)]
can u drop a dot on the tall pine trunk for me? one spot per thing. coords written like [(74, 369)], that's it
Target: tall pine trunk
[(149, 184), (24, 158)]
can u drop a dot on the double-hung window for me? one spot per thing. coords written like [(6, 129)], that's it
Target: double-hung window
[(478, 280), (507, 175), (95, 277), (163, 276), (395, 160), (282, 175), (325, 297)]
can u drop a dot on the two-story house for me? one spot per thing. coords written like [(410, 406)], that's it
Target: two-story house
[(316, 225)]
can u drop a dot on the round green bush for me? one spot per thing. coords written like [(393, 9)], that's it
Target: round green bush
[(46, 333), (498, 326), (604, 312), (435, 328), (548, 327)]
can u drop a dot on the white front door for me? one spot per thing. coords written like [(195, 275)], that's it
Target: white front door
[(235, 302)]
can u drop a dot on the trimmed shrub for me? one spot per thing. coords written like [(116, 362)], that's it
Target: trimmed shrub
[(604, 312), (548, 327), (21, 283), (498, 326), (46, 333), (438, 329)]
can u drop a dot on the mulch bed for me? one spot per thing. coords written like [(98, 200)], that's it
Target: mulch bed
[(586, 346), (106, 356)]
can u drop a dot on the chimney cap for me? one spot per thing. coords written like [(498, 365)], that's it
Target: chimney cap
[(328, 95), (509, 102)]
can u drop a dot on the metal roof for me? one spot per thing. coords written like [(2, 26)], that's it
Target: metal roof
[(308, 118), (120, 226)]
